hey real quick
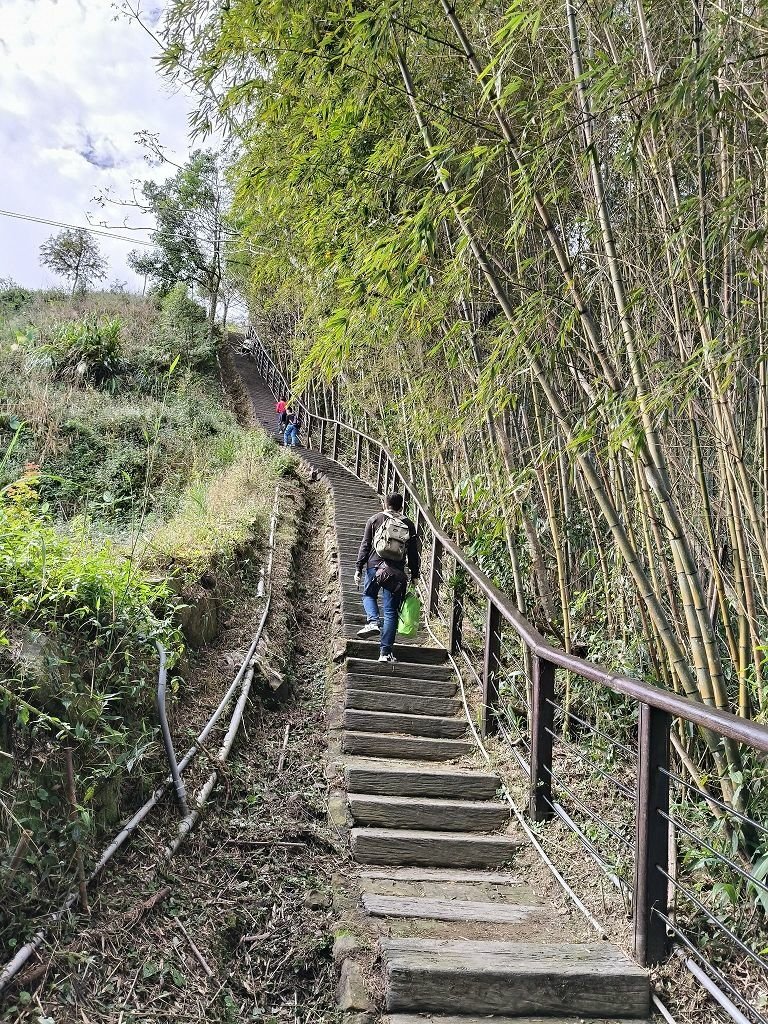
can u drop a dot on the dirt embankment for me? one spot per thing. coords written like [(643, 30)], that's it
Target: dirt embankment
[(238, 925)]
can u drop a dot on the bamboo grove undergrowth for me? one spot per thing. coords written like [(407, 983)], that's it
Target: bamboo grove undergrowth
[(526, 244)]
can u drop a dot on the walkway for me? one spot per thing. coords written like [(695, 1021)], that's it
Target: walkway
[(459, 932)]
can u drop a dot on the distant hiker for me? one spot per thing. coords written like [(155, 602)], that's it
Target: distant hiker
[(282, 417), (389, 539), (291, 436)]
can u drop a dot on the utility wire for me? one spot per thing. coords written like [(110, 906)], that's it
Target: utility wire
[(79, 227)]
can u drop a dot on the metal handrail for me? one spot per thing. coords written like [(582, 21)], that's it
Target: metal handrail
[(707, 716)]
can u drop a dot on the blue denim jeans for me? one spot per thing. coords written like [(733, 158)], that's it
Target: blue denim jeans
[(291, 434), (391, 607)]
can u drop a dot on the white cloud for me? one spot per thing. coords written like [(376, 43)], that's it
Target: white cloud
[(76, 85)]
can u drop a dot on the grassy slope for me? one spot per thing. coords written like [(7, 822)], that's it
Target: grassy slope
[(118, 492)]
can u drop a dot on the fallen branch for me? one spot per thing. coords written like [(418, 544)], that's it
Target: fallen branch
[(195, 950), (281, 762)]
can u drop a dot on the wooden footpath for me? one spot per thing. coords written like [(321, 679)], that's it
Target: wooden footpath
[(461, 935)]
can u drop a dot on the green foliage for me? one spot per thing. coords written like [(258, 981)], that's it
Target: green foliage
[(74, 255), (77, 632), (123, 480), (189, 210), (182, 327), (13, 298), (87, 351)]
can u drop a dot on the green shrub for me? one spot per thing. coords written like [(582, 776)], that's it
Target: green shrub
[(14, 298), (87, 351), (183, 327), (78, 625)]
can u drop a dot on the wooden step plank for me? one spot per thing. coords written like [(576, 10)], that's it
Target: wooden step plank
[(435, 909), (411, 725), (438, 849), (368, 666), (398, 781), (474, 891), (426, 874), (513, 978), (406, 703), (401, 684), (434, 815), (350, 629), (409, 747), (403, 652), (435, 1018)]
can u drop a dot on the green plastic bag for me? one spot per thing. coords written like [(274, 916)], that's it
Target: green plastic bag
[(410, 612)]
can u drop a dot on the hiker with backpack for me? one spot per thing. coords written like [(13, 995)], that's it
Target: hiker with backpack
[(291, 436), (388, 542)]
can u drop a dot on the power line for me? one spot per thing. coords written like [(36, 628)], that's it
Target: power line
[(78, 227)]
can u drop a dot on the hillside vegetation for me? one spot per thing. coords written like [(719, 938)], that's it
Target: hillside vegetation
[(127, 491)]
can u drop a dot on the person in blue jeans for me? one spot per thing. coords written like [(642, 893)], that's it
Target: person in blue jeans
[(291, 436), (368, 561)]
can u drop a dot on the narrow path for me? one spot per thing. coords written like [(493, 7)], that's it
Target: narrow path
[(459, 931)]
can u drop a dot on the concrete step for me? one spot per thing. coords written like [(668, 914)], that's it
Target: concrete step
[(416, 748), (428, 813), (423, 780), (410, 725), (401, 684), (413, 670), (433, 849), (514, 978), (406, 703)]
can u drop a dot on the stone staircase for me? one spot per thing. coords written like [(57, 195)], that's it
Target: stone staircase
[(461, 935)]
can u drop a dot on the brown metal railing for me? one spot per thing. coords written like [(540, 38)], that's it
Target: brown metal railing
[(496, 618)]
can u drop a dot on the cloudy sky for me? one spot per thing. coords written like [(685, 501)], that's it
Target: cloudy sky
[(76, 83)]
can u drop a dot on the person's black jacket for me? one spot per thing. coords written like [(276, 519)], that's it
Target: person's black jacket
[(366, 556)]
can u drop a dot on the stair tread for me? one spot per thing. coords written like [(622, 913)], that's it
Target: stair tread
[(439, 909), (436, 1018), (388, 683), (442, 875), (398, 746), (377, 765), (516, 977), (427, 835), (437, 726), (387, 800), (406, 703), (427, 812)]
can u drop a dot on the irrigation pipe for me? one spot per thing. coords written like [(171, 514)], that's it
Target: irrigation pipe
[(191, 818), (17, 962), (170, 753)]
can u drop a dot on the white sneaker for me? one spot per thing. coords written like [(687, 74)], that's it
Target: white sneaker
[(389, 658), (369, 629)]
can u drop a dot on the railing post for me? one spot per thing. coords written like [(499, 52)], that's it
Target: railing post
[(456, 625), (358, 453), (335, 440), (322, 436), (651, 836), (541, 729), (378, 471), (435, 572), (491, 669)]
